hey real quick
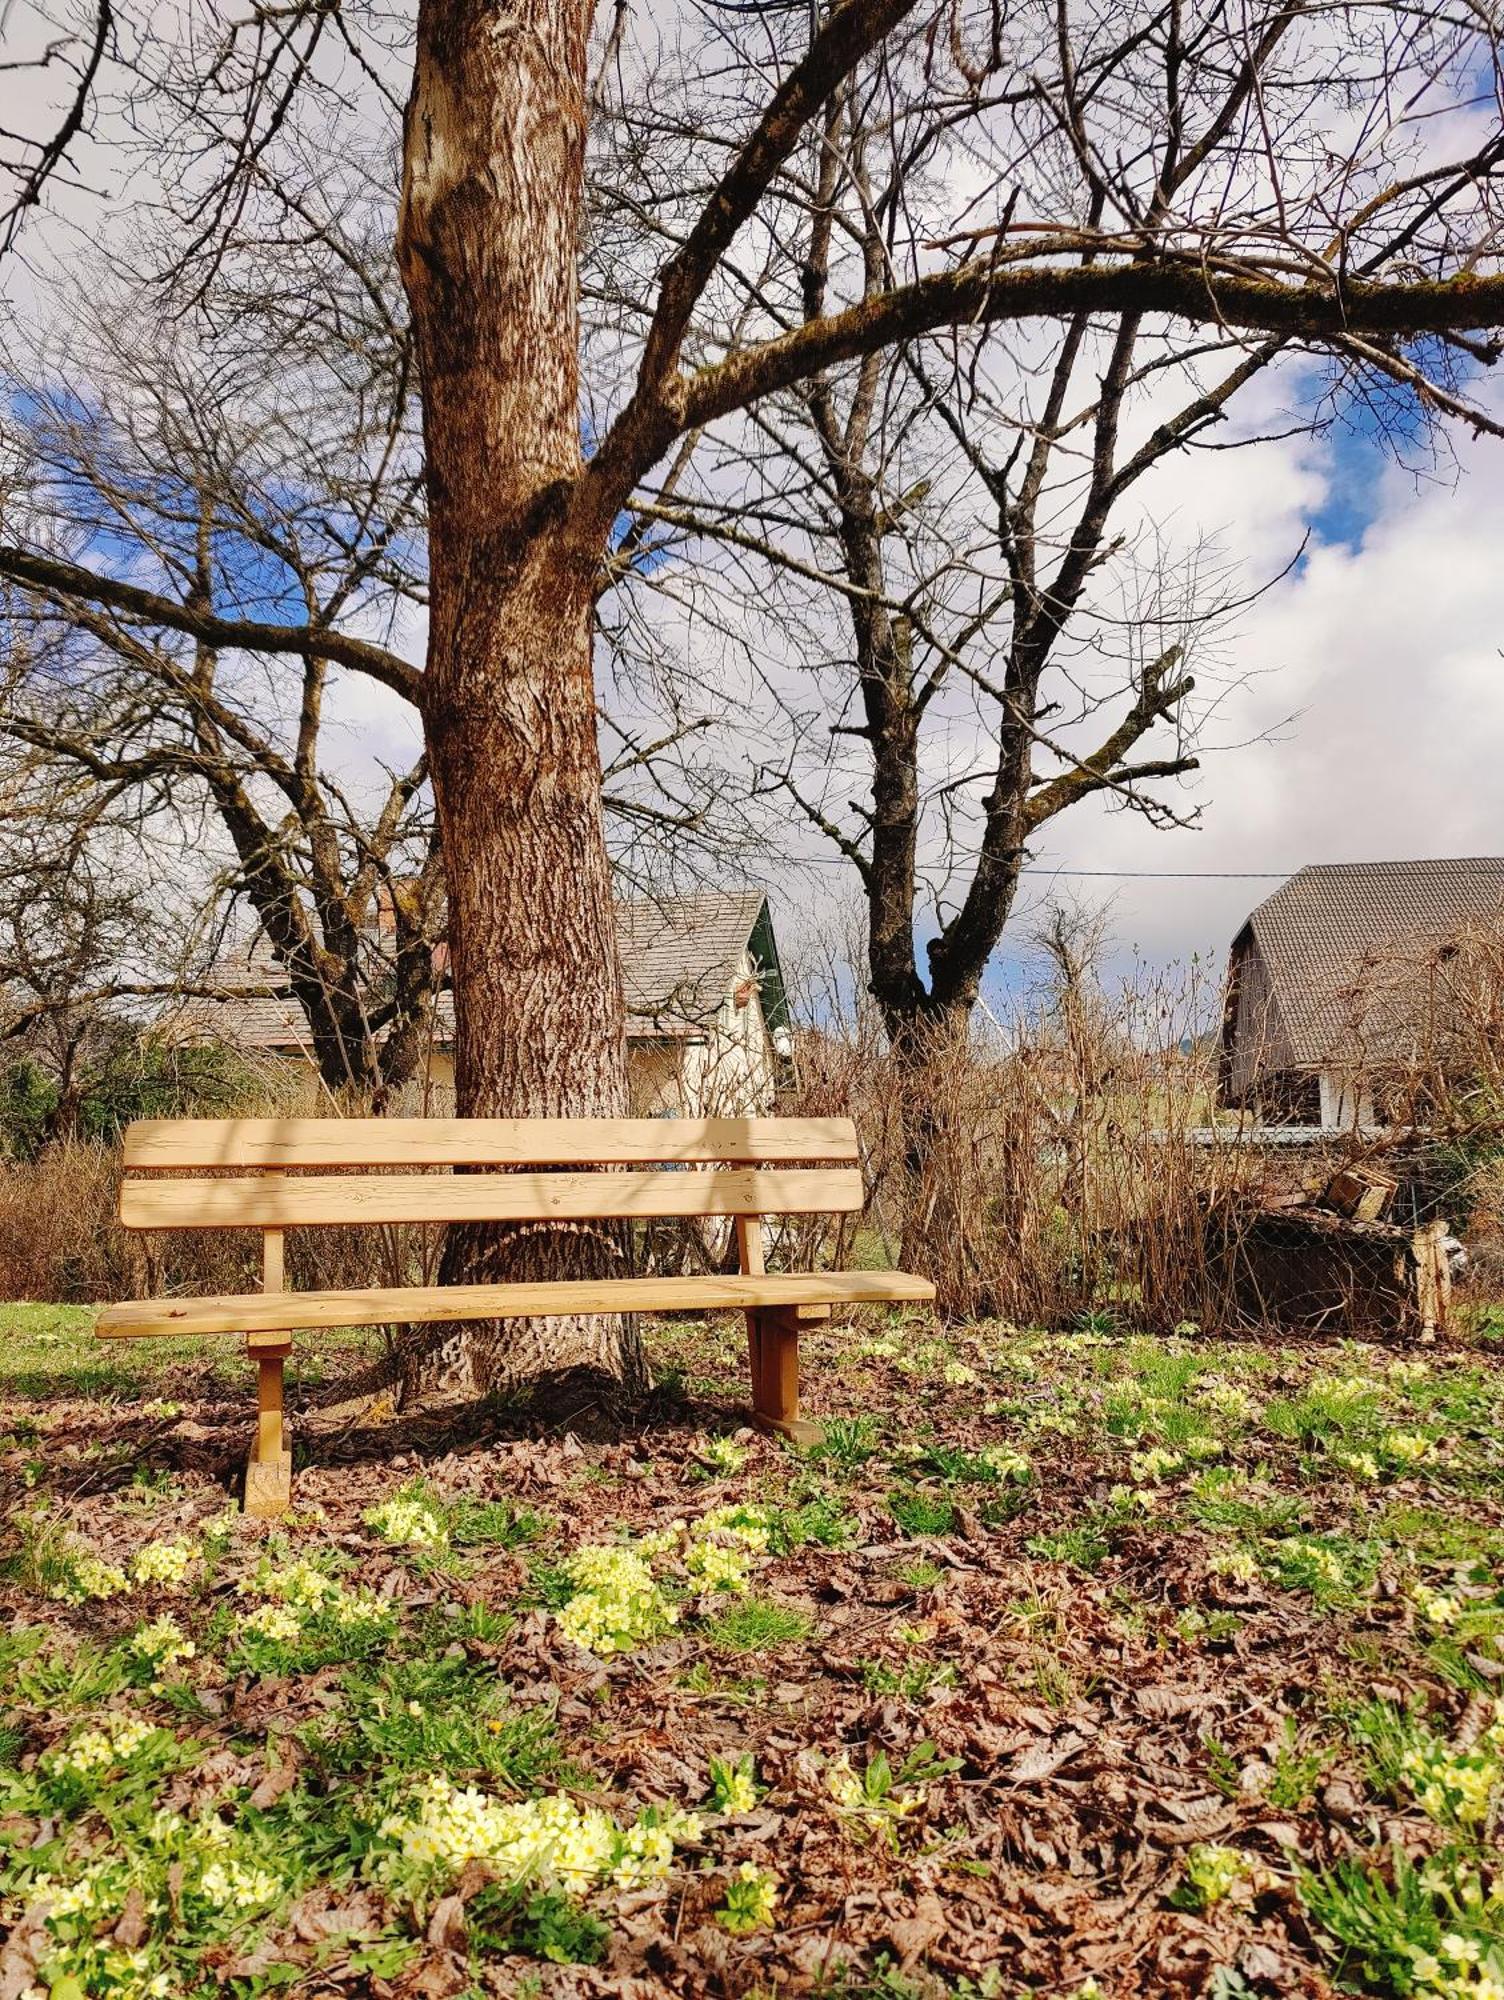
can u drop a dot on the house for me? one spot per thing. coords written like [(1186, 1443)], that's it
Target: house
[(1341, 984), (707, 1017)]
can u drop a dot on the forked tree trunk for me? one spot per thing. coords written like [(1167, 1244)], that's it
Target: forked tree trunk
[(494, 161)]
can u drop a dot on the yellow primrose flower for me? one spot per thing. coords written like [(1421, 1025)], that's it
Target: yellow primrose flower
[(408, 1523), (89, 1578), (1155, 1464), (1407, 1447), (162, 1643), (751, 1897), (272, 1621), (550, 1840), (164, 1562)]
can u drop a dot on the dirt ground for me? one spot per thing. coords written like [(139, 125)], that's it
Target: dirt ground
[(1069, 1664)]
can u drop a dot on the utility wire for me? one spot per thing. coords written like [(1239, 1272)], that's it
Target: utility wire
[(1168, 874)]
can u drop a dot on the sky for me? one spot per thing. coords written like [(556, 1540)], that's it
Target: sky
[(1364, 721), (1371, 727)]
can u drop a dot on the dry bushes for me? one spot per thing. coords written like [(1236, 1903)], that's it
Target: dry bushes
[(1052, 1170), (60, 1242), (1069, 1165), (1058, 1168)]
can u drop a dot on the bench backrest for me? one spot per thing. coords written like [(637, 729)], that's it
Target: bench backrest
[(283, 1173)]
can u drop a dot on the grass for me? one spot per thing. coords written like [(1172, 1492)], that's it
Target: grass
[(50, 1353), (759, 1625), (1084, 1581)]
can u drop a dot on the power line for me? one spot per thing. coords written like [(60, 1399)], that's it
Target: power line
[(1168, 874), (1039, 868)]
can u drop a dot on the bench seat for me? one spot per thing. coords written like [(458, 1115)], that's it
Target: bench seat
[(276, 1174), (276, 1312)]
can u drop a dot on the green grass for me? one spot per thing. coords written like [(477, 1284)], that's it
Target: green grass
[(758, 1625), (437, 1714), (1082, 1544), (921, 1514), (51, 1355)]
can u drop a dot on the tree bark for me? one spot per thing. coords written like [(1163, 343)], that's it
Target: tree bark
[(492, 188)]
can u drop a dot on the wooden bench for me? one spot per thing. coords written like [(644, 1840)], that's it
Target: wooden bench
[(276, 1174)]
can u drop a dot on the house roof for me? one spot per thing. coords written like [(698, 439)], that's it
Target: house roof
[(1344, 951), (681, 955)]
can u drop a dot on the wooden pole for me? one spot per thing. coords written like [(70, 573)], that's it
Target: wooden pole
[(773, 1347), (268, 1472), (749, 1258)]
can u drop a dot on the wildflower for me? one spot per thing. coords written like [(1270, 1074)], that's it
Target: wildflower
[(1211, 1872), (351, 1609), (163, 1562), (233, 1886), (110, 1746), (301, 1585), (1305, 1562), (1128, 1499), (1155, 1464), (873, 1795), (751, 1896), (1454, 1787), (617, 1604), (161, 1644), (409, 1523), (744, 1524), (1227, 1399), (725, 1455), (1407, 1447), (1361, 1464), (1436, 1607), (732, 1788), (1008, 1463), (1057, 1421), (958, 1375), (1408, 1371), (718, 1568), (87, 1577), (552, 1840), (1237, 1564), (272, 1621)]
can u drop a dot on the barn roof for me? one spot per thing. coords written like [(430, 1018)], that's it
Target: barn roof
[(680, 957), (1345, 951)]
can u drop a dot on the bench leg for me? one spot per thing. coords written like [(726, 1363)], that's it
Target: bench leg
[(773, 1340), (268, 1472)]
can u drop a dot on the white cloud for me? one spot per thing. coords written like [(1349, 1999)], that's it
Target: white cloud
[(1389, 656)]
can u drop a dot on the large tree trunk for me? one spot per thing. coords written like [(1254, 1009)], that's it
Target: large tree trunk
[(487, 240)]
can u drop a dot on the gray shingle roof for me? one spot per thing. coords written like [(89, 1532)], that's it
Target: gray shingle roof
[(1344, 948), (680, 956)]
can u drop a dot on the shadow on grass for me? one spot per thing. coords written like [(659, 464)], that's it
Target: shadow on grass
[(115, 1446), (584, 1401)]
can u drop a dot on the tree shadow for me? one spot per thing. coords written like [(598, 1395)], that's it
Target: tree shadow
[(585, 1402)]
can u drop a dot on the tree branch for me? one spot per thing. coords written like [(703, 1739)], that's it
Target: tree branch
[(980, 293), (66, 579)]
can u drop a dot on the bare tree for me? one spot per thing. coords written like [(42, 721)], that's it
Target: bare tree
[(265, 514), (1267, 219), (1016, 635), (164, 698), (60, 56)]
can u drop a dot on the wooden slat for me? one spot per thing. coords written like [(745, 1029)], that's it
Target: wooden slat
[(413, 1305), (281, 1201), (496, 1142)]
